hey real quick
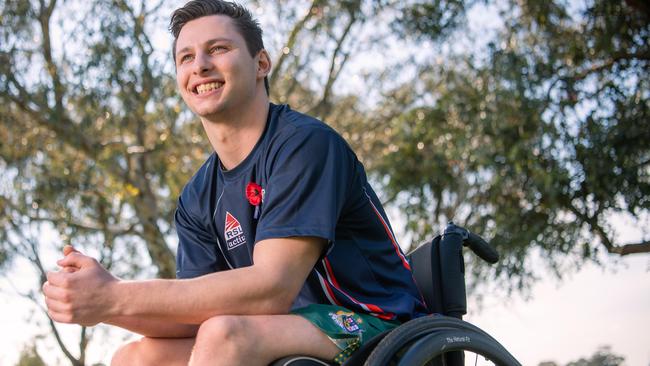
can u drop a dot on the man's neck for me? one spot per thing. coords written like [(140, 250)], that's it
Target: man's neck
[(234, 138)]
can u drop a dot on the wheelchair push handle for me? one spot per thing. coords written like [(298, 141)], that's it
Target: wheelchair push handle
[(477, 244), (481, 248)]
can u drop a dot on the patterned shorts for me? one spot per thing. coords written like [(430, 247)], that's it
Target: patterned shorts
[(347, 329)]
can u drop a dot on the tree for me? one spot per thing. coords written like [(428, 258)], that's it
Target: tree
[(94, 147), (602, 357), (95, 142), (534, 141), (29, 357), (536, 145)]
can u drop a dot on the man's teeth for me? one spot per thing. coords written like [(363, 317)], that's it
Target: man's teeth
[(204, 88)]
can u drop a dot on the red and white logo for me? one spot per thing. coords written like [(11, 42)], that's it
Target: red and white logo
[(233, 232)]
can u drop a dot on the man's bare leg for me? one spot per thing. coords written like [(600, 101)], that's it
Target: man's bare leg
[(233, 340), (154, 351), (258, 340)]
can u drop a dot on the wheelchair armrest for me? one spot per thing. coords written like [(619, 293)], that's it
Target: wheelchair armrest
[(425, 264), (439, 272)]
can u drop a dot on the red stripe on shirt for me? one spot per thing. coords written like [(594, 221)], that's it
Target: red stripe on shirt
[(371, 307), (328, 289)]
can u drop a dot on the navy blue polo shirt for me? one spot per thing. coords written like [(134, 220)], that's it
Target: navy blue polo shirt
[(310, 184)]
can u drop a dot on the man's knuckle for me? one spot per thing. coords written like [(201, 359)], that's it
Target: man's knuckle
[(66, 297)]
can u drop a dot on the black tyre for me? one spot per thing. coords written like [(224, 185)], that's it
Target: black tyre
[(442, 342), (401, 339)]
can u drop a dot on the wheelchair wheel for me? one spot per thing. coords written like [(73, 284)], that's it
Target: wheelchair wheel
[(442, 342), (423, 341)]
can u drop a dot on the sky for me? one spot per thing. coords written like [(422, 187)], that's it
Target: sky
[(565, 320), (568, 320)]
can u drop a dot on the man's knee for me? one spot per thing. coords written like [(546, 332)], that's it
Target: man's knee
[(223, 330), (125, 355), (136, 353)]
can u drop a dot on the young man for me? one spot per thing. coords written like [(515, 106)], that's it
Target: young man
[(283, 246)]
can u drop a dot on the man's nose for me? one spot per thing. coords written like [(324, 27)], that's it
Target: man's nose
[(202, 63)]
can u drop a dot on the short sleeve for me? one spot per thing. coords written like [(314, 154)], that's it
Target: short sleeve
[(198, 253), (308, 180)]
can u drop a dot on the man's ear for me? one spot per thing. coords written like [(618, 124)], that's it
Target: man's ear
[(263, 64)]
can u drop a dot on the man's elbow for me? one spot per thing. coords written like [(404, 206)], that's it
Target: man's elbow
[(277, 297), (278, 302)]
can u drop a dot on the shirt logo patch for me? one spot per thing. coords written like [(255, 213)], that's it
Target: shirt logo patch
[(346, 321), (233, 232)]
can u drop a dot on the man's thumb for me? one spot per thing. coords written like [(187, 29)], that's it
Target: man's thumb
[(74, 259), (69, 249)]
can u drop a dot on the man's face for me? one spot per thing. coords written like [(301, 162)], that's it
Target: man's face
[(215, 72)]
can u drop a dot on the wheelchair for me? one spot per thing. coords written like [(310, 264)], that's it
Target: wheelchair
[(441, 338)]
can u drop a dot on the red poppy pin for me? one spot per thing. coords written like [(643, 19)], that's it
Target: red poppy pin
[(254, 194)]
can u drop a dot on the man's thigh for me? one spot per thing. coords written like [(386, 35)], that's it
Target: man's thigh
[(155, 351), (260, 339)]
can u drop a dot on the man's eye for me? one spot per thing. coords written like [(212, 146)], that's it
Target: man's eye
[(217, 49), (185, 58)]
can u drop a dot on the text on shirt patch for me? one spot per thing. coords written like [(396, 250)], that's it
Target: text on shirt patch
[(233, 232)]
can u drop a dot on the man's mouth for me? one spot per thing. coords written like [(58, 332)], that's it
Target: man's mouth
[(207, 87)]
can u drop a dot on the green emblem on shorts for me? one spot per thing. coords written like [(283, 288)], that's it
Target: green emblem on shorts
[(346, 321)]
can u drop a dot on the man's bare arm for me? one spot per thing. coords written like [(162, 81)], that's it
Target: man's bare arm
[(159, 328), (155, 328), (91, 295)]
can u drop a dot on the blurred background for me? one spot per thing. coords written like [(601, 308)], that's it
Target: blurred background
[(525, 121)]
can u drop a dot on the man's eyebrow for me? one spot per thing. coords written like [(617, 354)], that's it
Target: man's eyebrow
[(219, 39), (208, 42)]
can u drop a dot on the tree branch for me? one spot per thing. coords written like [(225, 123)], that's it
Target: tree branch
[(83, 345), (44, 19), (390, 199), (154, 9), (115, 230), (321, 109), (616, 57), (631, 248), (292, 40), (59, 341), (625, 249), (63, 127), (36, 260), (139, 36)]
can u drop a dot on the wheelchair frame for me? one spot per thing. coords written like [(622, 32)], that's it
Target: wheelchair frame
[(438, 339)]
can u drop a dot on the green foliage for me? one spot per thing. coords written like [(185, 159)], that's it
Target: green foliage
[(95, 143), (602, 357), (537, 143), (433, 19), (29, 357), (535, 140)]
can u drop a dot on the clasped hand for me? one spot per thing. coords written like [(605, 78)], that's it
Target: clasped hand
[(81, 292)]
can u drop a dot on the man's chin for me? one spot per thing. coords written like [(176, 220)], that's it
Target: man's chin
[(213, 114), (208, 111)]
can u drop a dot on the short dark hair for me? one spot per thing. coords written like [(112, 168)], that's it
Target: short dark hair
[(248, 27)]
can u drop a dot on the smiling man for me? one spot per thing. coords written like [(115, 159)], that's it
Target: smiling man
[(283, 249)]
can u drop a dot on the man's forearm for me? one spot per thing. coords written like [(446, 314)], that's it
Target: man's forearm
[(154, 328), (268, 287), (192, 301)]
